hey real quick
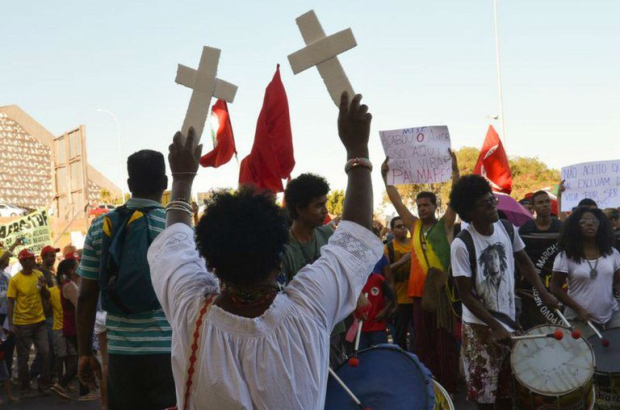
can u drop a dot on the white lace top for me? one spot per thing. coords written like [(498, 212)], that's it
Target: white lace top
[(278, 360)]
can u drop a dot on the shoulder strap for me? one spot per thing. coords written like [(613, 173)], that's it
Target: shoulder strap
[(193, 356), (465, 236), (510, 229)]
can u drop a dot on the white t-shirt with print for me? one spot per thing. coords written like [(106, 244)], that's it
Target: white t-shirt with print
[(594, 295), (495, 274)]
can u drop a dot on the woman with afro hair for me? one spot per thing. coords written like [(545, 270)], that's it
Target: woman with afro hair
[(590, 265), (248, 345)]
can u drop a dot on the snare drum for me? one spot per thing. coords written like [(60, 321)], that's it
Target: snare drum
[(552, 374), (387, 377), (607, 369)]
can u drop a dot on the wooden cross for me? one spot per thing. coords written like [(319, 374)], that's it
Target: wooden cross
[(205, 85), (322, 52)]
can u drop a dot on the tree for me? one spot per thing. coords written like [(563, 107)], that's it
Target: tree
[(335, 202), (528, 175)]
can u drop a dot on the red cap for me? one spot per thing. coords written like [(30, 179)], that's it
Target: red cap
[(49, 249), (72, 256), (25, 254)]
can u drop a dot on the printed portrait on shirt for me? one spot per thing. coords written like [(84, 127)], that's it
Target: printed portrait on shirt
[(492, 284)]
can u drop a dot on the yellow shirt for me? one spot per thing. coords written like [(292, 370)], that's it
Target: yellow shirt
[(28, 304), (56, 307), (400, 274)]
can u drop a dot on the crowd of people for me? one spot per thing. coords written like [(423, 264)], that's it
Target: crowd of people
[(248, 306)]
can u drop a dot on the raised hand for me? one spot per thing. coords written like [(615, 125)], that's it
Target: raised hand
[(455, 163), (184, 159), (385, 168), (354, 126)]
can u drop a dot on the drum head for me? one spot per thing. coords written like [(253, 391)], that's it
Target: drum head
[(386, 378), (607, 358), (549, 366)]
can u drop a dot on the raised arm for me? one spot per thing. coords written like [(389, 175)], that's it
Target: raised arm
[(408, 218), (561, 215), (450, 215), (184, 160), (354, 130)]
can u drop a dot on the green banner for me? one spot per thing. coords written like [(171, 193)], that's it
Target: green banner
[(34, 228)]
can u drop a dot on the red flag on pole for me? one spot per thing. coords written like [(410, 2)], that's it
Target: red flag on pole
[(223, 138), (271, 159), (493, 163)]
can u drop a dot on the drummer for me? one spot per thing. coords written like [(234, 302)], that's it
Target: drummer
[(485, 282), (591, 265)]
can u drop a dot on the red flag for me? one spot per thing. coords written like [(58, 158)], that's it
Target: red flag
[(271, 159), (493, 163), (223, 140)]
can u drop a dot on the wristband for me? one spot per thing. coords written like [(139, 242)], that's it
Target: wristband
[(357, 162)]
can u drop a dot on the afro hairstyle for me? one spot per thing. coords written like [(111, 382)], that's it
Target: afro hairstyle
[(466, 192), (242, 235)]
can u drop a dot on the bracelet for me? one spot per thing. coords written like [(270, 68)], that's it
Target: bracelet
[(357, 162), (180, 204), (184, 173), (174, 208)]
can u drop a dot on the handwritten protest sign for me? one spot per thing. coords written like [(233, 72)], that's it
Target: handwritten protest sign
[(599, 181), (417, 155), (33, 227)]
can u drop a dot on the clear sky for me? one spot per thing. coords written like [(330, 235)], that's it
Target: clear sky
[(417, 63)]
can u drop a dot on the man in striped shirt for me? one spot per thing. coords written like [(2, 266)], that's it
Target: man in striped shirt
[(139, 364)]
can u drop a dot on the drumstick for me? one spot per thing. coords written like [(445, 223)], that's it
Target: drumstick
[(354, 361), (557, 335), (346, 389), (604, 342), (576, 334)]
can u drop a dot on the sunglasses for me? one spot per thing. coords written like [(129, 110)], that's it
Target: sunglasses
[(489, 201), (589, 221)]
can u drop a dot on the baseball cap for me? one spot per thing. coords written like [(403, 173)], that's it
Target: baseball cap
[(49, 249), (72, 256), (25, 254)]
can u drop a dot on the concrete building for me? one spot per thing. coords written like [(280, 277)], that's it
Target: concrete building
[(39, 170)]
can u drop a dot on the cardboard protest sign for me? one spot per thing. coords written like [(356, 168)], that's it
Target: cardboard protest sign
[(542, 250), (418, 155), (599, 181), (33, 227)]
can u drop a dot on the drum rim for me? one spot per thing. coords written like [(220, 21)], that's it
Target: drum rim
[(597, 372), (445, 393), (590, 378)]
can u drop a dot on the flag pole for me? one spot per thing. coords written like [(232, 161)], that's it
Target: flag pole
[(499, 74)]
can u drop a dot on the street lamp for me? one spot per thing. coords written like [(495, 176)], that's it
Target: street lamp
[(120, 152)]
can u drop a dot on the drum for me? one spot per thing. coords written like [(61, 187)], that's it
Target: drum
[(442, 397), (387, 377), (552, 374), (607, 369)]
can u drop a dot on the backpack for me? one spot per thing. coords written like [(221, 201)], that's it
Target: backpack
[(125, 275), (465, 236)]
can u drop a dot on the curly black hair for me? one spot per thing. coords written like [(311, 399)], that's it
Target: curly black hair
[(466, 192), (571, 237), (302, 190), (242, 235)]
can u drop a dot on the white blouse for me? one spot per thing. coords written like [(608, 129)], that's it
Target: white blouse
[(278, 360)]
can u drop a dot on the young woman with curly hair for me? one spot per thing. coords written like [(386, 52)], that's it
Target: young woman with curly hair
[(590, 265)]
